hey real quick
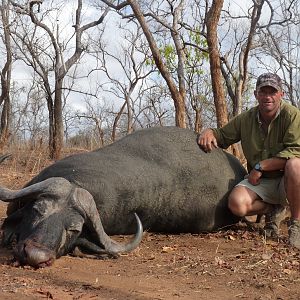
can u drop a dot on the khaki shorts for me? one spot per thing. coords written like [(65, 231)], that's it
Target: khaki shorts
[(270, 190)]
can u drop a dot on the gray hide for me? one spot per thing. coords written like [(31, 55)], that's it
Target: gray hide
[(159, 173)]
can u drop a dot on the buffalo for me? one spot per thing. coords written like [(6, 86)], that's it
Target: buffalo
[(158, 177)]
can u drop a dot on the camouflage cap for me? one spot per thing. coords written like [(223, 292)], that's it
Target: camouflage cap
[(269, 79)]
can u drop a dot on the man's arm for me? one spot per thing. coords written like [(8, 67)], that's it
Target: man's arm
[(273, 164), (270, 164)]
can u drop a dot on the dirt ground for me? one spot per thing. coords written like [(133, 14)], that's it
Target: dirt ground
[(234, 264)]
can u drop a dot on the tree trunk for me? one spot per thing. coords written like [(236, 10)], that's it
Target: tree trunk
[(58, 134), (198, 121), (5, 77), (116, 121), (213, 17), (129, 113), (5, 121), (177, 96)]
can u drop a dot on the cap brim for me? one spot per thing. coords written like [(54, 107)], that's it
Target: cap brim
[(274, 85)]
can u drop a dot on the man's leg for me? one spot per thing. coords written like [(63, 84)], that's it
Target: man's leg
[(244, 202), (292, 187)]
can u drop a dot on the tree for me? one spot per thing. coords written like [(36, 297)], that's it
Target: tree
[(38, 57), (28, 120), (279, 39), (180, 36), (130, 57), (236, 76), (178, 92), (5, 75), (212, 21)]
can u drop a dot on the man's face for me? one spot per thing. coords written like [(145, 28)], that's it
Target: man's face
[(268, 99)]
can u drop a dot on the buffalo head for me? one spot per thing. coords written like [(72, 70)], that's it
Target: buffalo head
[(51, 221)]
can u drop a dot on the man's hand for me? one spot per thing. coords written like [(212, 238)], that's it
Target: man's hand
[(207, 140), (254, 177)]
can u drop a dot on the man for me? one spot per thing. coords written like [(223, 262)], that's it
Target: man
[(270, 137)]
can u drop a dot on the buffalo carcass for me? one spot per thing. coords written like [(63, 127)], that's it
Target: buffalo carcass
[(160, 174)]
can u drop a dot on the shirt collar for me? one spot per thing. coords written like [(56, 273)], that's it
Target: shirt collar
[(277, 113)]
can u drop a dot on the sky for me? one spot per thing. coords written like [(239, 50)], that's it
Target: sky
[(23, 74)]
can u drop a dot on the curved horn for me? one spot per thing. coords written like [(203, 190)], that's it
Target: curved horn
[(57, 186), (91, 212)]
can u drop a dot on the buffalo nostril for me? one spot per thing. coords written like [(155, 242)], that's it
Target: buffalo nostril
[(34, 254)]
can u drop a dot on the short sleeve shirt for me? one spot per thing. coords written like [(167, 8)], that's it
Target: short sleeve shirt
[(282, 139)]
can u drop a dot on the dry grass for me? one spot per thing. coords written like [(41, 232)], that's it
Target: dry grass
[(25, 162)]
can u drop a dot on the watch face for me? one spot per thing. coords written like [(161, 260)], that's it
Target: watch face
[(257, 167)]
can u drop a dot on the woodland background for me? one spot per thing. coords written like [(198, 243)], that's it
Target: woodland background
[(79, 74), (83, 73)]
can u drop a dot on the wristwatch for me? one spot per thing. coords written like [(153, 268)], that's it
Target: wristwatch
[(258, 167)]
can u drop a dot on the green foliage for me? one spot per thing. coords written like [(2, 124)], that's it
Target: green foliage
[(195, 56), (169, 53)]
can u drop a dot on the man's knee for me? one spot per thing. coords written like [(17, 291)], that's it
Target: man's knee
[(237, 205), (292, 168)]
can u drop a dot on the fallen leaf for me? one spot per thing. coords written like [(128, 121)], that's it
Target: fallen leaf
[(219, 261), (167, 249), (231, 237), (267, 256)]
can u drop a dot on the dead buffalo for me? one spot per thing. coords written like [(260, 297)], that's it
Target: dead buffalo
[(160, 174)]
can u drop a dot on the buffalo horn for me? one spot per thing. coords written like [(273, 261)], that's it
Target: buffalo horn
[(56, 186), (92, 215)]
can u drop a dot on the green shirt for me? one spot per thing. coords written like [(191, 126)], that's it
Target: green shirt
[(281, 140)]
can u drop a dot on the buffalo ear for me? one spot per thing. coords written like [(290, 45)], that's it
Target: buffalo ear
[(13, 207), (9, 227)]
